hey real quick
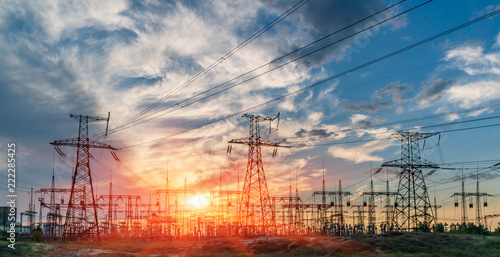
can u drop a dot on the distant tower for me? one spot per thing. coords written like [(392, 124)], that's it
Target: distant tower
[(81, 217), (255, 210), (412, 208)]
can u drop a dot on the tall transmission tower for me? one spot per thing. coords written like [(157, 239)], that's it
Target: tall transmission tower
[(81, 216), (412, 208), (255, 209)]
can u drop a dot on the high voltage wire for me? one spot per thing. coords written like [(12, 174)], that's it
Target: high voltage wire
[(335, 76), (264, 65), (419, 127), (485, 169), (115, 173), (467, 162), (216, 63), (416, 119), (179, 36)]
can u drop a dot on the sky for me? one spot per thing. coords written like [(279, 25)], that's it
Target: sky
[(177, 76)]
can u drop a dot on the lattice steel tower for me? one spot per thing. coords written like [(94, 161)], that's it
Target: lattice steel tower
[(81, 217), (412, 209), (255, 211)]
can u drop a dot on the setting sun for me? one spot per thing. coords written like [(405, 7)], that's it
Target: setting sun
[(197, 202)]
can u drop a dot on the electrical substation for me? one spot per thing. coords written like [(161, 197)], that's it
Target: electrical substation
[(78, 213)]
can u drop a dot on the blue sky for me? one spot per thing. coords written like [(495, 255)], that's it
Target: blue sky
[(121, 57)]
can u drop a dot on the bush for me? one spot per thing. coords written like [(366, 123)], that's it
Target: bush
[(439, 228), (497, 230), (37, 234), (470, 228), (423, 227)]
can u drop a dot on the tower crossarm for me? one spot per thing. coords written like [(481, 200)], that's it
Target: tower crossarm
[(379, 193), (225, 192), (260, 141), (260, 118), (75, 142), (55, 190), (171, 191), (306, 206), (399, 163), (79, 117), (470, 194), (117, 197), (55, 205), (343, 193), (492, 216), (414, 136), (284, 198)]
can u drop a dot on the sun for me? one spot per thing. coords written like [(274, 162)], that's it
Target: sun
[(197, 202)]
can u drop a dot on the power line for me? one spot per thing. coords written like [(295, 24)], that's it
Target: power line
[(213, 65), (422, 127), (419, 119), (175, 40), (131, 124), (334, 76)]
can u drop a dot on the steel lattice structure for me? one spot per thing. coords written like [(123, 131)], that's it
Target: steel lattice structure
[(255, 212), (412, 208), (81, 216)]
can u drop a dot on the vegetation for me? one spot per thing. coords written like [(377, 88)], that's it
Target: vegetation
[(433, 244), (37, 234), (497, 230), (469, 229), (438, 228), (390, 244)]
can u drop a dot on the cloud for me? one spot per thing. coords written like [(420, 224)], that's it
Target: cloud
[(472, 176), (318, 133), (320, 18), (452, 117), (359, 154), (369, 107), (473, 94), (120, 56), (479, 86), (395, 90), (361, 121), (473, 60), (433, 91)]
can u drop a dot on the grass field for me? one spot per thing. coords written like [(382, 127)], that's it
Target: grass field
[(391, 244)]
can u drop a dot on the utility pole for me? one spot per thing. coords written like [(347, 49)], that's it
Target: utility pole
[(463, 195), (81, 217), (337, 202), (371, 204), (412, 209), (388, 207), (478, 205), (255, 213), (464, 209)]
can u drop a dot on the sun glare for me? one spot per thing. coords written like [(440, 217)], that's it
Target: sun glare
[(197, 202)]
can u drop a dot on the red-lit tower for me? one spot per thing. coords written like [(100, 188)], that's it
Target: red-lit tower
[(81, 216)]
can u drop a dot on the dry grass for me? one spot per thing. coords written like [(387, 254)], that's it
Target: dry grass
[(394, 244)]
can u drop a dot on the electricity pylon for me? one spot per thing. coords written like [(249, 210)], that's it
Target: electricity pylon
[(81, 216), (412, 209), (255, 213), (463, 195)]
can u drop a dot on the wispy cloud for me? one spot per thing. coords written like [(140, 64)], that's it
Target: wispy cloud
[(395, 90), (369, 107)]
